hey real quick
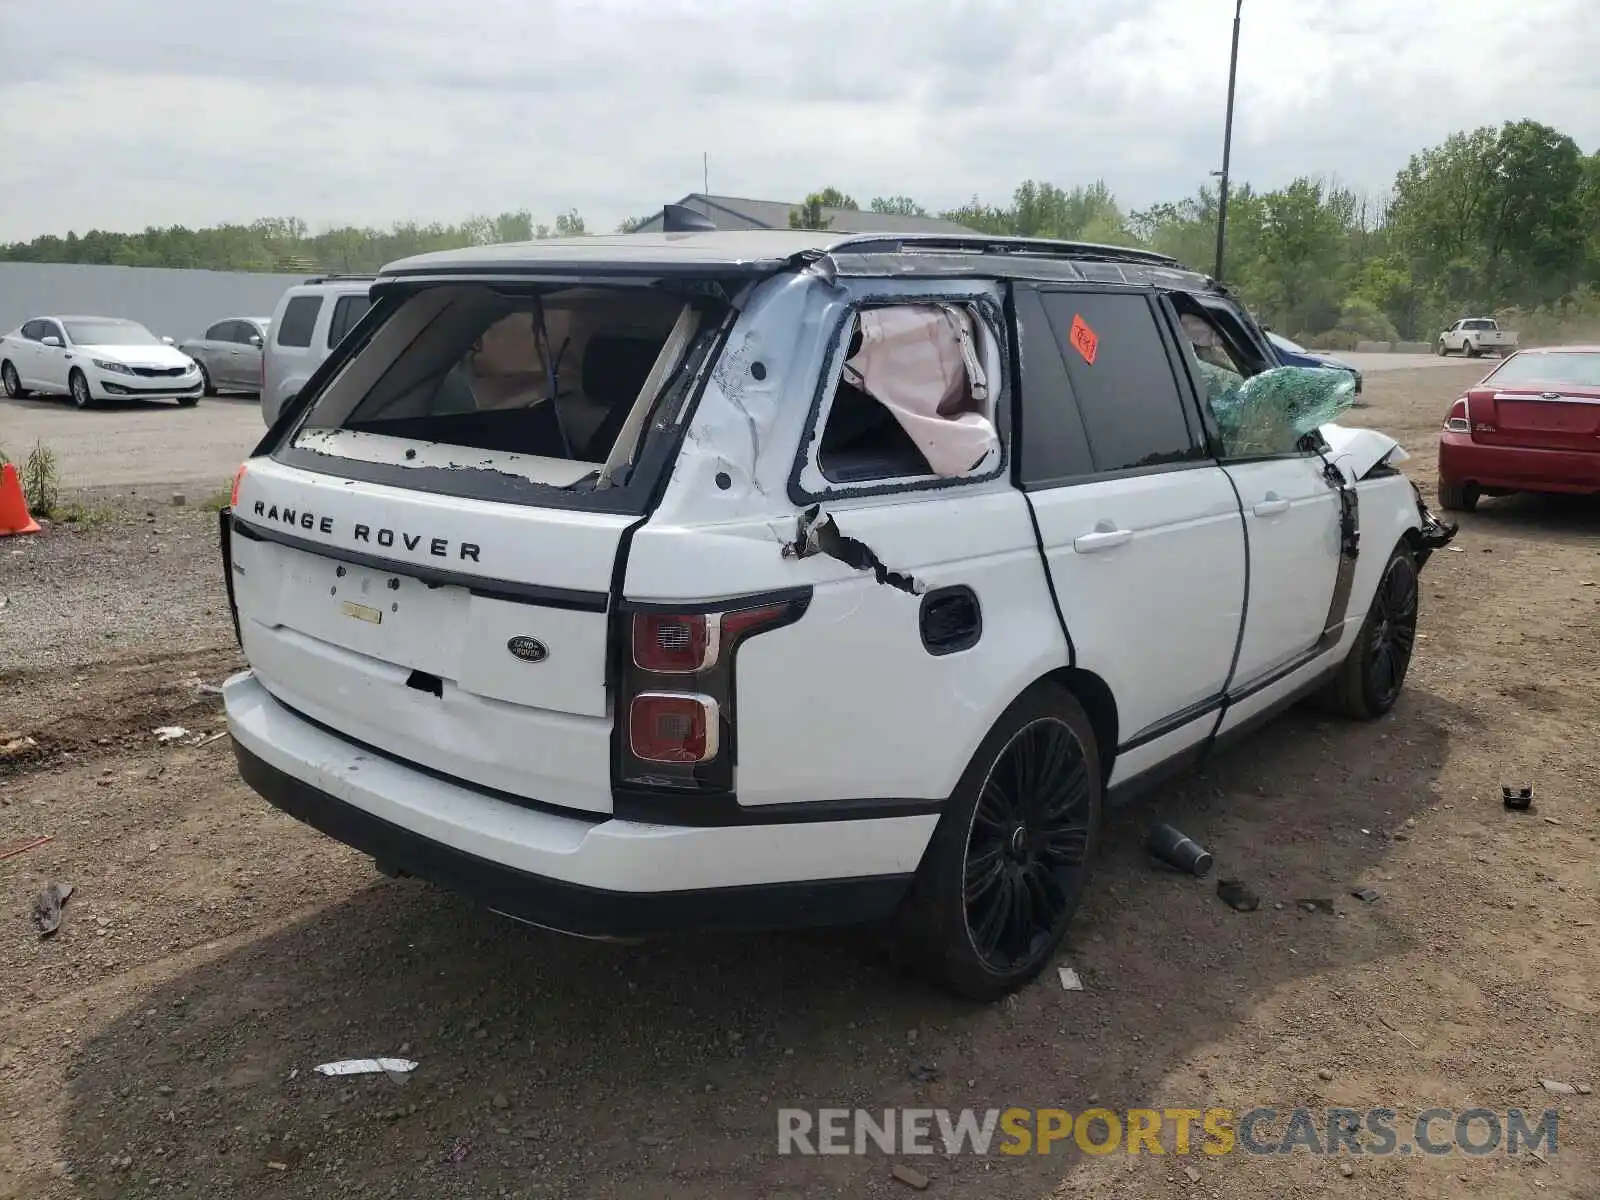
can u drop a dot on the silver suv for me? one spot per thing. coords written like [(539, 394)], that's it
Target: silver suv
[(310, 320)]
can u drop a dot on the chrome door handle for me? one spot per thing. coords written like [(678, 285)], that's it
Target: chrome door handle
[(1270, 506), (1102, 539)]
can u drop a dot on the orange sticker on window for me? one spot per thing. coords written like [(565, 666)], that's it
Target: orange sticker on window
[(1083, 339)]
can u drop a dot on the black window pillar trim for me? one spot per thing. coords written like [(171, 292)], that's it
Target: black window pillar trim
[(1018, 432)]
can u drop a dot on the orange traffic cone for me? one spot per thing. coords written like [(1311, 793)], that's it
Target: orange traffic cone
[(14, 516)]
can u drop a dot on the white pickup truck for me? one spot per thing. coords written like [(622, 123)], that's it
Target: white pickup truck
[(1473, 335)]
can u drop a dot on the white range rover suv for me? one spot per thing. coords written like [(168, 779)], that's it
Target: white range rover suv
[(711, 580)]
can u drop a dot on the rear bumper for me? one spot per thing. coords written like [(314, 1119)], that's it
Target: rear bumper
[(597, 878), (1516, 468)]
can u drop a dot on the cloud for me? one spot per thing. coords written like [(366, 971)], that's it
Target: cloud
[(372, 112)]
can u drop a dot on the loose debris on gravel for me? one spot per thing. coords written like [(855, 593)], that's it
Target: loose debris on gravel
[(162, 1041)]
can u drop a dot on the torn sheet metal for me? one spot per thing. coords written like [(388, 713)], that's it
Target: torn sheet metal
[(368, 1066), (1349, 508), (922, 364), (1435, 534), (1358, 452), (1344, 484), (819, 534)]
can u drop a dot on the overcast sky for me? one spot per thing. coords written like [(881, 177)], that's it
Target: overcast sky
[(121, 114)]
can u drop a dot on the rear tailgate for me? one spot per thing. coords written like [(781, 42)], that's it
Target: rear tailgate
[(465, 636), (1536, 418)]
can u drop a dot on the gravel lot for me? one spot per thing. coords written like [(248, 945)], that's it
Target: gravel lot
[(137, 441), (161, 1043)]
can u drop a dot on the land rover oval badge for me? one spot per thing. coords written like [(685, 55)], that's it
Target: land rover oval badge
[(528, 649)]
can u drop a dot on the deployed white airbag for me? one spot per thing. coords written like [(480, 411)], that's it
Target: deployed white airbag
[(920, 363)]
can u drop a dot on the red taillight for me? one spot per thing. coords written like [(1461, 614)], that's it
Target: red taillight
[(238, 478), (673, 727), (747, 620), (675, 700), (688, 643), (1457, 420), (674, 643)]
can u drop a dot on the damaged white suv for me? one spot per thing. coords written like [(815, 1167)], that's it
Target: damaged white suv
[(711, 580)]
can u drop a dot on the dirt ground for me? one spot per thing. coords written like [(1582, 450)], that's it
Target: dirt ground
[(214, 951)]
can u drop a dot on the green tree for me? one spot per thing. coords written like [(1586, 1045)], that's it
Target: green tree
[(1184, 229), (1534, 231), (983, 218), (1295, 269), (897, 206), (812, 211), (809, 214), (832, 197)]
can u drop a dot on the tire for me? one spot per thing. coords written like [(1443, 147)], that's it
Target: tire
[(1458, 497), (1469, 350), (1442, 349), (206, 385), (12, 381), (1024, 818), (1373, 673), (78, 386)]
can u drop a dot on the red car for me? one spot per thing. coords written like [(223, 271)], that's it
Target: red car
[(1530, 425)]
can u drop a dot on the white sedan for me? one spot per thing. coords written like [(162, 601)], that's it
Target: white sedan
[(96, 358)]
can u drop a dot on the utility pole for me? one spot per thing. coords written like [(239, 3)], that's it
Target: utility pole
[(1227, 143)]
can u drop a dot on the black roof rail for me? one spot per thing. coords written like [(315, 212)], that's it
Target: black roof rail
[(335, 278), (990, 244)]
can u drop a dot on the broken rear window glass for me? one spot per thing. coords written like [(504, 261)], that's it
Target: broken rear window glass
[(553, 375), (915, 397)]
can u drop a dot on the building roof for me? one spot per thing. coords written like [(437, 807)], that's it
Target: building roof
[(735, 212)]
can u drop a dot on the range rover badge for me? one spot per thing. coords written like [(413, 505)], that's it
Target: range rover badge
[(528, 649)]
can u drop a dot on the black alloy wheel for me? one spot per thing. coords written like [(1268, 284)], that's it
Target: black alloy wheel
[(1394, 634), (1010, 859), (1028, 846), (1374, 671)]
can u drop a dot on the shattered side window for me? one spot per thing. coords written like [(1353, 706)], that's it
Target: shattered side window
[(1269, 413), (1266, 413), (1220, 371), (915, 397)]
